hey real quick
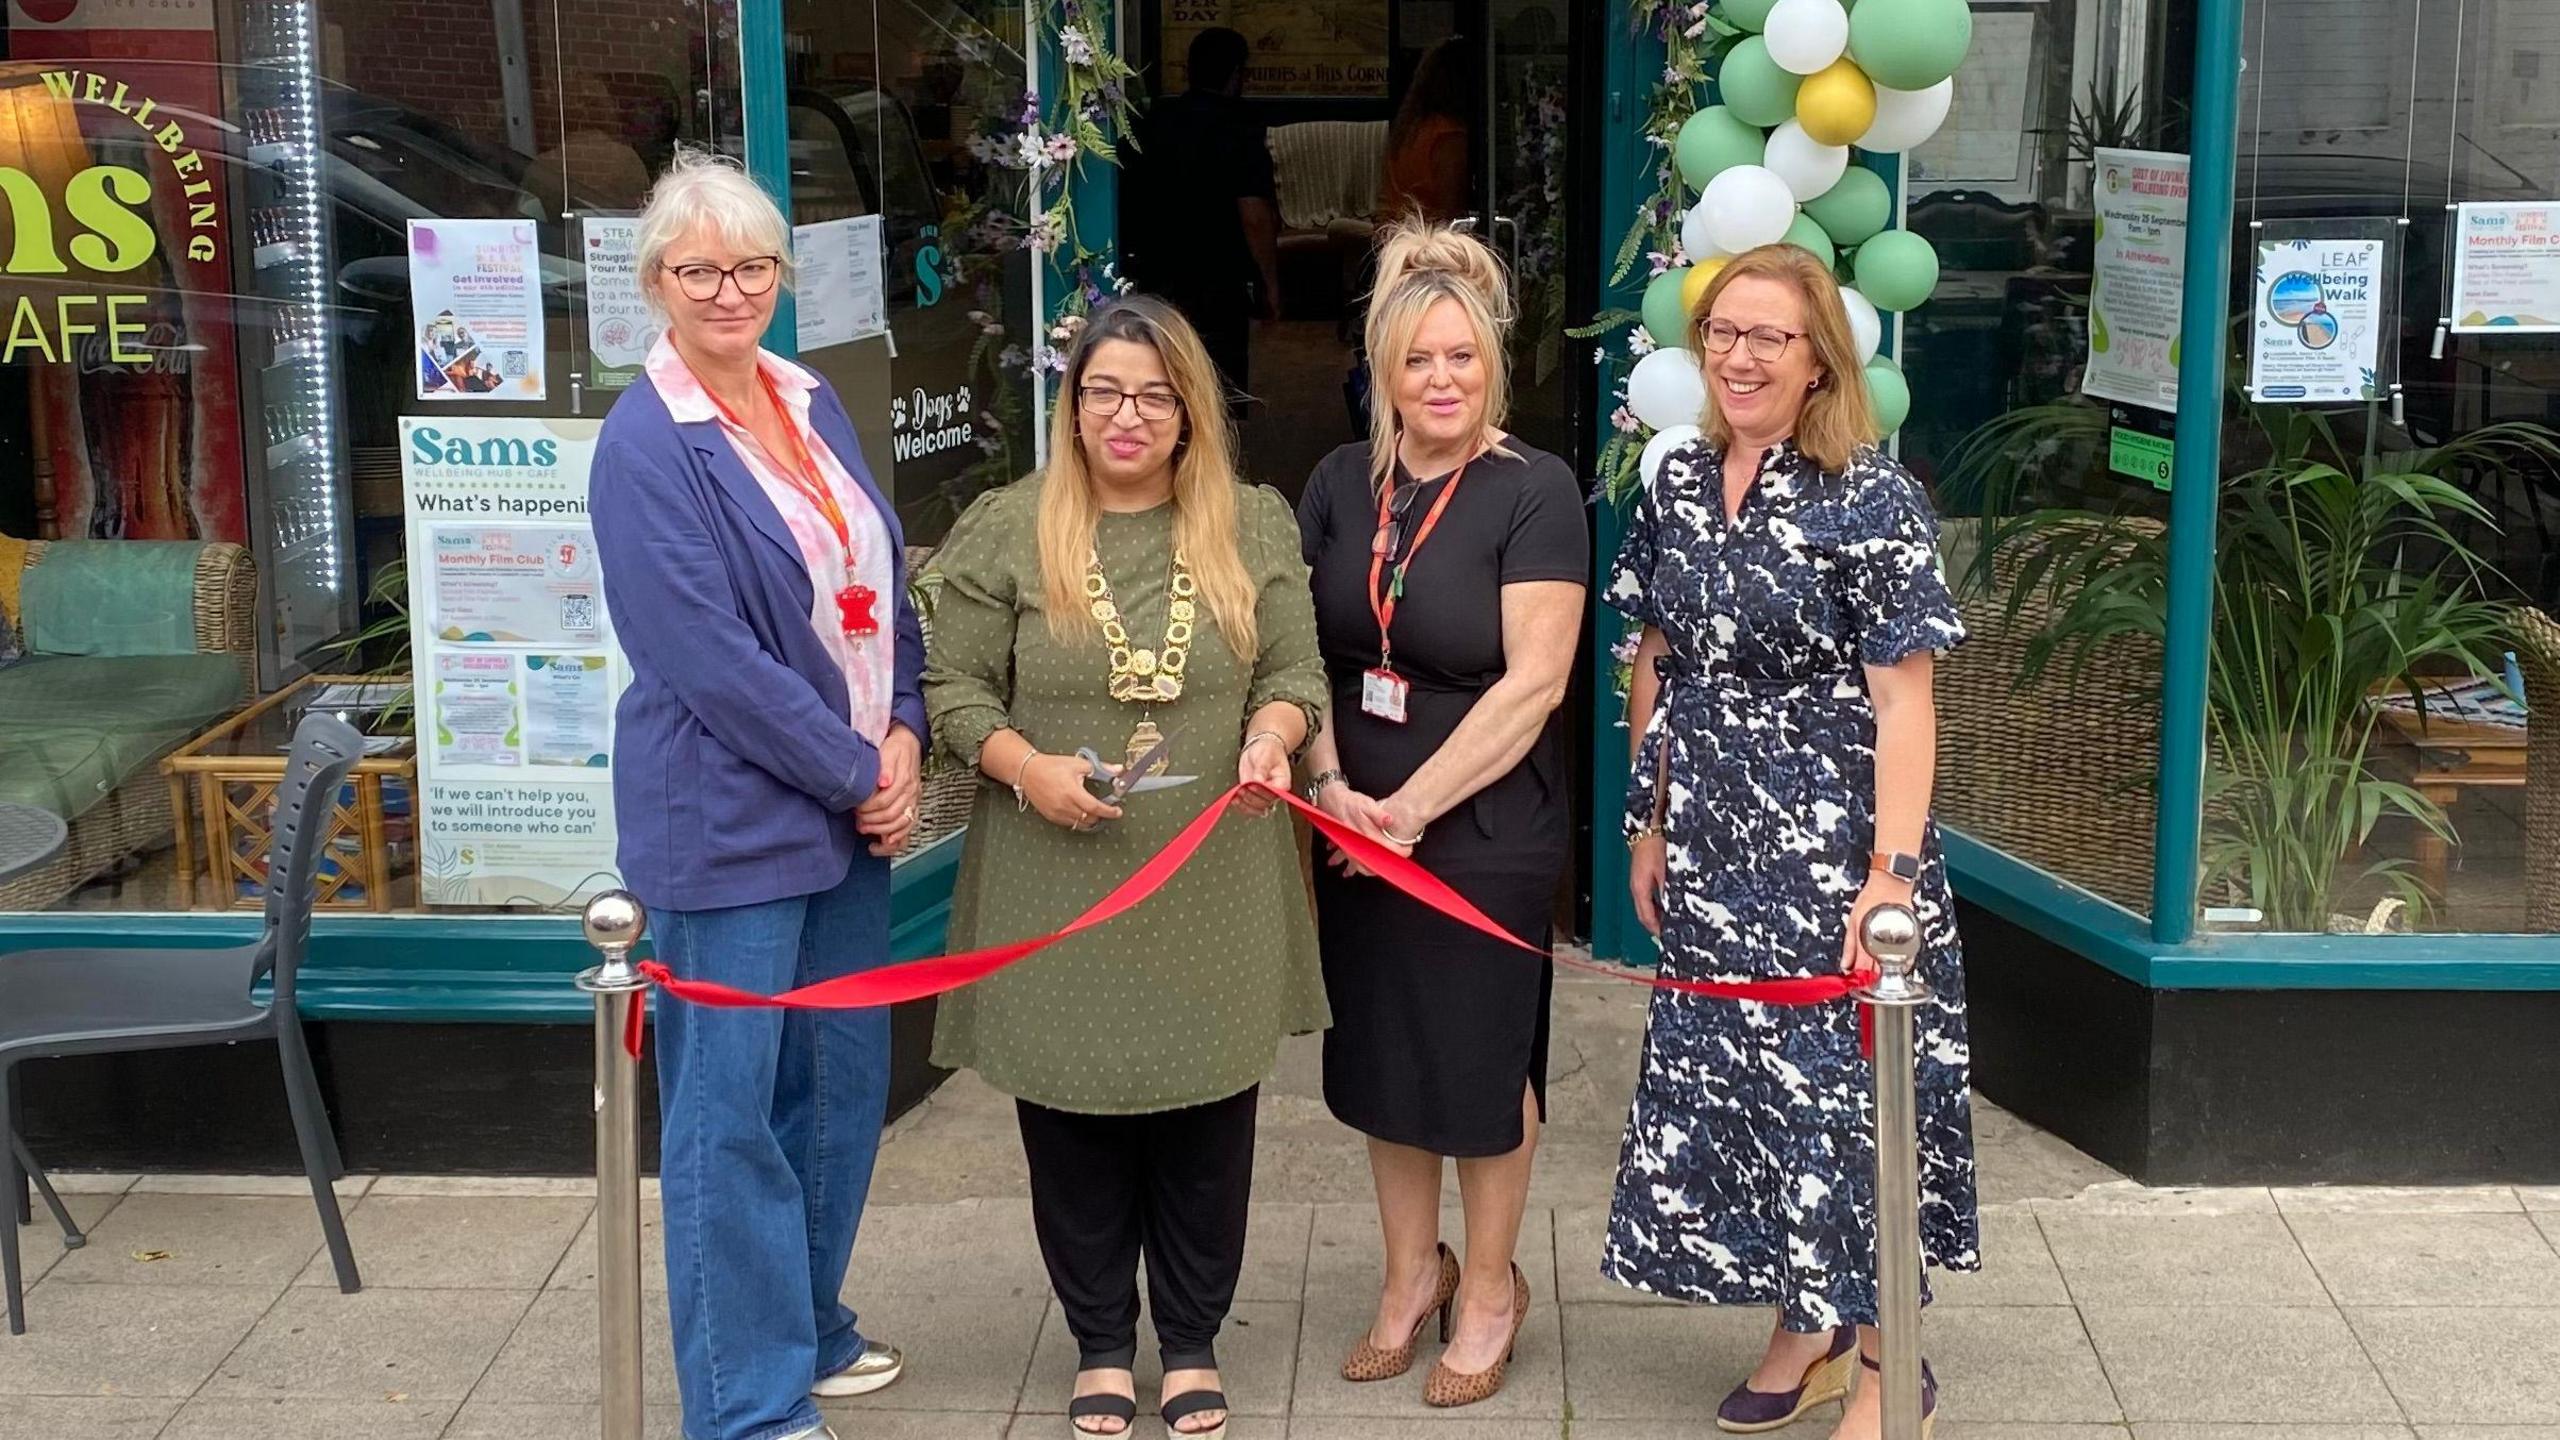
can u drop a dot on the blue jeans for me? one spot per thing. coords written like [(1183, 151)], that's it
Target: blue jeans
[(769, 1123)]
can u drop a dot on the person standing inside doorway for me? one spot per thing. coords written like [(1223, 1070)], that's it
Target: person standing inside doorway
[(1202, 216)]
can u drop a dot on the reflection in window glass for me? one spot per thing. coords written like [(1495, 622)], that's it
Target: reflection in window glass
[(216, 361)]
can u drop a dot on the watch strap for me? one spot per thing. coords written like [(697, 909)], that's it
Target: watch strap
[(1896, 864)]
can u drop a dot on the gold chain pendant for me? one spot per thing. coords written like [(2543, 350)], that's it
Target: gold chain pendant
[(1141, 675), (1141, 740)]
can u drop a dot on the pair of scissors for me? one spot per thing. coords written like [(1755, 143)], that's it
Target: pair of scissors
[(1133, 778)]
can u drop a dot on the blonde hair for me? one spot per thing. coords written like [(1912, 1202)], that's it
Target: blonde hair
[(1837, 416), (1204, 478), (712, 191), (1421, 264)]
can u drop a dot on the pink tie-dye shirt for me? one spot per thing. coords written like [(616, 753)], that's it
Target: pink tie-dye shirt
[(869, 676)]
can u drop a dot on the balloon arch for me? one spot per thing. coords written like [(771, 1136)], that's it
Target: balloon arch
[(1802, 88)]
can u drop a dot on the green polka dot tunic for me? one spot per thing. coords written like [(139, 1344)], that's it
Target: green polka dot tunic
[(1184, 999)]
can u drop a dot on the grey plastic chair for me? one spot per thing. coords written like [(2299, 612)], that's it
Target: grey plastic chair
[(96, 1001)]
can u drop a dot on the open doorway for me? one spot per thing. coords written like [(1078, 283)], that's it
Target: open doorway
[(1353, 111)]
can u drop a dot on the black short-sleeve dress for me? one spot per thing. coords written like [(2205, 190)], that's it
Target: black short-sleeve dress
[(1435, 1027)]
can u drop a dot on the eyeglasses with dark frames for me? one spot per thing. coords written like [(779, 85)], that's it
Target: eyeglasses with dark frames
[(754, 276), (1101, 400), (1767, 342)]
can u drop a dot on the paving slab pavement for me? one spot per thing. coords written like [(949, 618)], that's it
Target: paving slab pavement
[(204, 1308)]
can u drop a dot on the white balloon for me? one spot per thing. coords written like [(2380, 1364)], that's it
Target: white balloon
[(1745, 207), (1695, 242), (1659, 448), (1865, 325), (1806, 35), (1667, 389), (1905, 118), (1805, 165)]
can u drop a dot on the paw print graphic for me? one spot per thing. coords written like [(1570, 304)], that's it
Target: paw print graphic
[(898, 413)]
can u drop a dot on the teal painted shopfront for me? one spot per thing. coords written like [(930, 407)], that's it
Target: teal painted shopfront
[(2260, 855)]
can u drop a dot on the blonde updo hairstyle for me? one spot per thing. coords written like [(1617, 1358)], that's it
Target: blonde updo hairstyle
[(1205, 485), (1421, 264), (1838, 417)]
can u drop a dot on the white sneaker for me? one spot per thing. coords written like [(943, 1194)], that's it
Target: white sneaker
[(876, 1368)]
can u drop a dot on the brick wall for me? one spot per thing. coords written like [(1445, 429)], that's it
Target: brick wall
[(441, 57)]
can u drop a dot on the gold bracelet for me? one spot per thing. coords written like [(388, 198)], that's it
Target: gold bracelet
[(1649, 832)]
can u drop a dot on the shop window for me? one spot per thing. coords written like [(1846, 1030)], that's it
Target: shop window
[(237, 371), (2048, 749)]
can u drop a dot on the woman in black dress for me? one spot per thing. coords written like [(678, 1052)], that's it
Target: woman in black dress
[(1450, 563)]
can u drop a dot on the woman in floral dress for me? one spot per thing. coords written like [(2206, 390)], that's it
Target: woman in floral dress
[(1784, 571)]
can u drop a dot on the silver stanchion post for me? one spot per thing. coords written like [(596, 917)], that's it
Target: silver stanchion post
[(1891, 934), (615, 921)]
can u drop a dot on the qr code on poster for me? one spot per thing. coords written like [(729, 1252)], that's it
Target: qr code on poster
[(578, 614)]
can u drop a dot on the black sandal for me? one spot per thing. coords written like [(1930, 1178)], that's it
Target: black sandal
[(1123, 1408), (1178, 1408)]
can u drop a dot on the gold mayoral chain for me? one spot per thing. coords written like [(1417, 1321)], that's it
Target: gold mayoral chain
[(1141, 676)]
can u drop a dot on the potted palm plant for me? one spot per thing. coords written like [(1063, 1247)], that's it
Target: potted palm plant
[(2338, 578)]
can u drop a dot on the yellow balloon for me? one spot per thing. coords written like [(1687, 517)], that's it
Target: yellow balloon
[(1693, 286), (1836, 104)]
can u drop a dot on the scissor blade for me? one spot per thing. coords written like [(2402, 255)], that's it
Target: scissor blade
[(1155, 753), (1160, 782)]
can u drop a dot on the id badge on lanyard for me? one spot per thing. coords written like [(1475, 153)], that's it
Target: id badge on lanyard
[(1382, 694), (1382, 691)]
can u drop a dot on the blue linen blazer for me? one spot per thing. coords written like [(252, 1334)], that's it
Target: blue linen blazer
[(736, 766)]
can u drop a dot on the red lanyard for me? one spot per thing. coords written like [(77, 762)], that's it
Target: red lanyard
[(1382, 602), (807, 481), (853, 602)]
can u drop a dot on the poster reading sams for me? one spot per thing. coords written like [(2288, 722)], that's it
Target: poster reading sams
[(514, 660)]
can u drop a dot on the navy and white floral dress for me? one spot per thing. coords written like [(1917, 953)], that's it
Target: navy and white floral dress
[(1747, 1176)]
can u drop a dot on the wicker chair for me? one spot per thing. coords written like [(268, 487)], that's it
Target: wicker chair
[(2059, 774), (947, 791), (2538, 654), (135, 816)]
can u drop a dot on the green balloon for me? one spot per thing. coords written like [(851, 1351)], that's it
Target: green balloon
[(1751, 15), (1897, 270), (1887, 391), (1715, 140), (1910, 44), (1808, 232), (1665, 318), (1857, 207), (1753, 87)]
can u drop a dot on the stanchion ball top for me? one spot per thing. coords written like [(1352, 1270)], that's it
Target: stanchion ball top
[(1891, 933), (615, 920)]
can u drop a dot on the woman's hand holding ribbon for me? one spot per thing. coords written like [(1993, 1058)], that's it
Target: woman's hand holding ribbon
[(1264, 762), (1363, 814)]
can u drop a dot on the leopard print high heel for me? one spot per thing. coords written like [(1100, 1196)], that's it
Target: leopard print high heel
[(1446, 1388), (1371, 1361)]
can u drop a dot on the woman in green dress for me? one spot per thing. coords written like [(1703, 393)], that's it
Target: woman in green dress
[(1136, 592)]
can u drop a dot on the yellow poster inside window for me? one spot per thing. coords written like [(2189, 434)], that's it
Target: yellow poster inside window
[(1302, 49)]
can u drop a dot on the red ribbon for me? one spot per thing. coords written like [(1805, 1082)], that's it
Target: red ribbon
[(916, 979)]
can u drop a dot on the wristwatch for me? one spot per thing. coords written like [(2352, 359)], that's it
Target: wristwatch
[(1905, 868), (1317, 782)]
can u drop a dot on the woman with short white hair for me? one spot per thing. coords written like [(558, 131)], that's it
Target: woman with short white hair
[(765, 770)]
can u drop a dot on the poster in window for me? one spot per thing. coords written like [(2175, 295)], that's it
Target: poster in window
[(2137, 278), (620, 325), (1301, 49), (2315, 327), (475, 301), (2506, 268), (515, 661)]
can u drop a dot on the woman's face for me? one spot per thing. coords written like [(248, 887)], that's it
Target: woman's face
[(731, 322), (1123, 446), (1760, 397), (1440, 387)]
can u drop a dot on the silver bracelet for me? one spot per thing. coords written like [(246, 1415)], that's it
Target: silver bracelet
[(1400, 840), (1021, 801), (1265, 735)]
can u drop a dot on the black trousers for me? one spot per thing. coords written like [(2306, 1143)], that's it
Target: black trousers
[(1173, 1185)]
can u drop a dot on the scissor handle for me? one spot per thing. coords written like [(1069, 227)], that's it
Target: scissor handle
[(1098, 772)]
